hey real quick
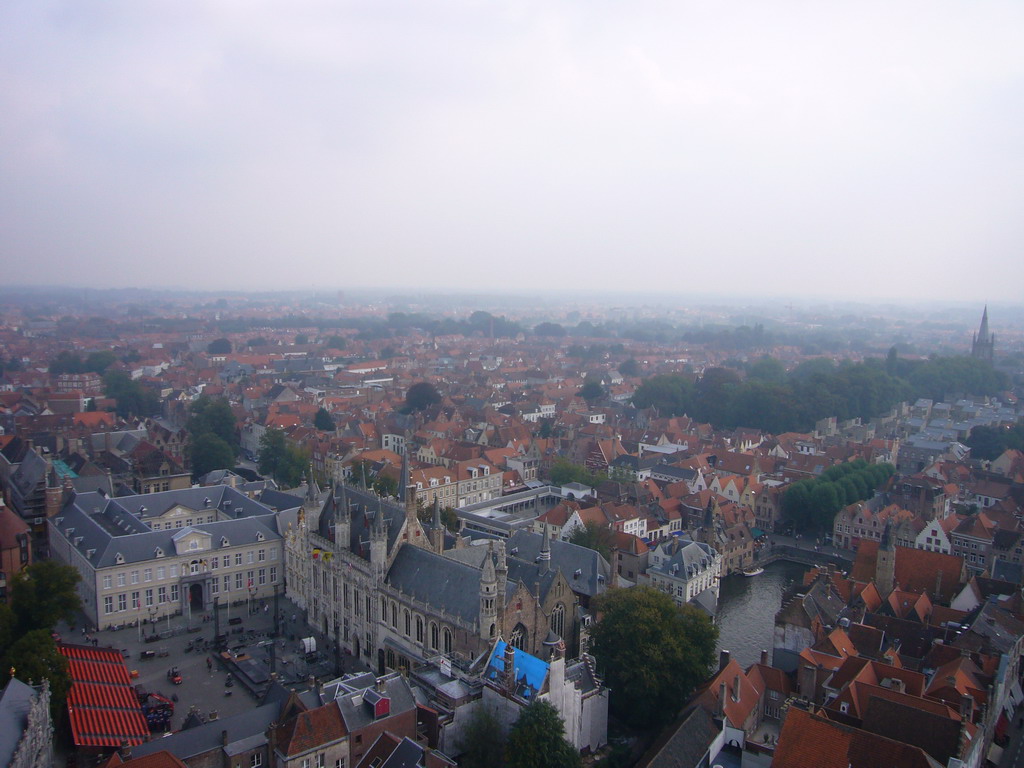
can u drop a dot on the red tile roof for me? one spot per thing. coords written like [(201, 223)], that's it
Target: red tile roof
[(102, 704)]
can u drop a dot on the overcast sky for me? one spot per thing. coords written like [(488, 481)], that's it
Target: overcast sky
[(861, 149)]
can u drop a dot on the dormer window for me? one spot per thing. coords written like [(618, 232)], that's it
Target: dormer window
[(224, 541), (119, 558), (260, 536), (158, 552)]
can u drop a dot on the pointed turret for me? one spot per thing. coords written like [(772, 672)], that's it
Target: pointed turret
[(488, 596), (312, 489), (403, 479), (437, 527), (983, 343), (342, 517), (545, 550)]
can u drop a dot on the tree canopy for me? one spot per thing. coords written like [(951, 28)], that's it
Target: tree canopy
[(208, 453), (323, 420), (812, 504), (777, 402), (213, 415), (537, 740), (482, 744), (219, 347), (285, 463), (43, 594), (421, 396), (132, 398), (593, 536), (988, 443), (591, 390), (564, 471), (652, 652)]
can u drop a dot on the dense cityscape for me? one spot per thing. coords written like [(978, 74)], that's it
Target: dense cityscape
[(362, 529)]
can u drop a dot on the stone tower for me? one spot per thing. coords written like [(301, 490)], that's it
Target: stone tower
[(983, 344), (488, 596), (885, 565)]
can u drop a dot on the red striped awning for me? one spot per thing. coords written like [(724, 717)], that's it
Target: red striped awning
[(103, 708)]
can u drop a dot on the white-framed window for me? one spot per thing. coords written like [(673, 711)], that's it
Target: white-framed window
[(161, 595), (174, 571), (107, 582), (108, 604), (214, 563), (147, 574), (122, 602), (238, 558), (161, 573), (256, 760), (261, 555), (238, 580), (249, 557), (273, 574), (174, 593), (273, 553), (320, 760), (149, 598)]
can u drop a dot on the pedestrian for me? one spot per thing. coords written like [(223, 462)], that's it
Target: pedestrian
[(266, 609), (209, 664)]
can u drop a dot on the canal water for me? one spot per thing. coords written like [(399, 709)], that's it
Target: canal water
[(747, 607)]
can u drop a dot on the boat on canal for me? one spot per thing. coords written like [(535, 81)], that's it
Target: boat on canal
[(753, 572)]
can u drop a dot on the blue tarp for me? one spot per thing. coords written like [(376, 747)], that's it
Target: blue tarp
[(530, 671)]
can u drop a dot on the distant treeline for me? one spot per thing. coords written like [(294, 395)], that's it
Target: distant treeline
[(775, 401)]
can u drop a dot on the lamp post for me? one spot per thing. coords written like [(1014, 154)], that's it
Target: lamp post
[(252, 596), (152, 616)]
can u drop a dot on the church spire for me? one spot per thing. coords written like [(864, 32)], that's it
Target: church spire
[(545, 550)]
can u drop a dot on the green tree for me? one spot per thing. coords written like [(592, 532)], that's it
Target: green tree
[(421, 396), (323, 420), (286, 463), (564, 471), (652, 652), (768, 369), (301, 339), (593, 536), (132, 398), (483, 744), (43, 594), (537, 740), (549, 329), (66, 362), (98, 362), (259, 341), (335, 342), (34, 656), (630, 368), (591, 390), (219, 347), (208, 453), (213, 415)]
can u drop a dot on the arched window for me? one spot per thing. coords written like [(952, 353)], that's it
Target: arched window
[(408, 623), (394, 615), (419, 629), (518, 638), (433, 636), (447, 640), (494, 629), (558, 620)]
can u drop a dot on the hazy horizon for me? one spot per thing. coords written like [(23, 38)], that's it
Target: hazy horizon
[(867, 152)]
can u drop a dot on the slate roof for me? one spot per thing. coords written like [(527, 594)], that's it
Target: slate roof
[(436, 580), (242, 727), (15, 701), (530, 672), (364, 507), (594, 569), (111, 527), (684, 745), (358, 715)]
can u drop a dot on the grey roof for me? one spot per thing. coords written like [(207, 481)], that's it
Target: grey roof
[(406, 755), (686, 559), (103, 528), (364, 506), (686, 744), (569, 558), (15, 702), (357, 715), (437, 580), (247, 727)]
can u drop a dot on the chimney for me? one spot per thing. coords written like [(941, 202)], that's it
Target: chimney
[(966, 707), (723, 660), (224, 738), (736, 688), (510, 667), (125, 752), (764, 657), (721, 700)]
